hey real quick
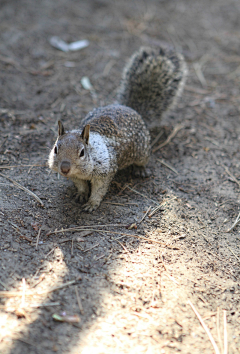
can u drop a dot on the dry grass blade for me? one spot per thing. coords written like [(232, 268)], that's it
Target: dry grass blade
[(206, 329), (120, 233), (157, 138), (142, 195), (235, 223), (144, 215), (83, 228), (38, 236), (79, 301), (23, 188), (231, 175), (32, 293), (233, 254), (168, 166), (155, 210), (170, 137)]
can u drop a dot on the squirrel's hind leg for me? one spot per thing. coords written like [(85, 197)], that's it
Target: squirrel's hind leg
[(141, 171)]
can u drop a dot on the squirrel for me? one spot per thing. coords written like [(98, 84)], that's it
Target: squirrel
[(114, 137)]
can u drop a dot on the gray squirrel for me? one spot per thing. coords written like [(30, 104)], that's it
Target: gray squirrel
[(114, 137)]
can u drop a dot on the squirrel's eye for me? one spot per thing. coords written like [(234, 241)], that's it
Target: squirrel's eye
[(81, 153), (55, 150)]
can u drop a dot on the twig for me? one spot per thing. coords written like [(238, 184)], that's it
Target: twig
[(231, 175), (121, 233), (48, 304), (83, 228), (157, 138), (155, 210), (31, 293), (206, 328), (125, 204), (11, 166), (50, 251), (38, 235), (233, 254), (225, 332), (235, 223), (170, 137), (168, 166), (21, 235), (144, 215), (143, 195), (88, 249), (125, 249), (79, 301), (23, 188)]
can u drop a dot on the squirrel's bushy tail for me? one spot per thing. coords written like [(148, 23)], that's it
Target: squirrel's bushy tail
[(151, 82)]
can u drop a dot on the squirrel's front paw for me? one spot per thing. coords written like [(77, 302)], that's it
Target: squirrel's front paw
[(91, 206), (80, 197)]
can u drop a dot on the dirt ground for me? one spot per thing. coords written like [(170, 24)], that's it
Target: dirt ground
[(119, 293)]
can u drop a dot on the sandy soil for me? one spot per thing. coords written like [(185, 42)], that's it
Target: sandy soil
[(131, 294)]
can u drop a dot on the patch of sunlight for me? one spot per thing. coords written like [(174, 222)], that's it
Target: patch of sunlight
[(21, 304)]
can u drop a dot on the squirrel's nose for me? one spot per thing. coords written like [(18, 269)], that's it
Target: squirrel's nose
[(65, 167)]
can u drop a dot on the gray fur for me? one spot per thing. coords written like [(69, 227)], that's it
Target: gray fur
[(118, 136)]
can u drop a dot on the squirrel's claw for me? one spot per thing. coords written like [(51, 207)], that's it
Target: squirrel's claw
[(89, 206)]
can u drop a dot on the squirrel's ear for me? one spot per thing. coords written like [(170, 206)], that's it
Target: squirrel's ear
[(60, 128), (85, 133)]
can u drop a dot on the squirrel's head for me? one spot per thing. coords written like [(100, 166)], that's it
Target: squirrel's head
[(70, 154)]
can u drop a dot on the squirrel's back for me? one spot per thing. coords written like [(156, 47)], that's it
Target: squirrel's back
[(151, 82)]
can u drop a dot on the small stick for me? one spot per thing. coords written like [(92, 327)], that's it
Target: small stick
[(121, 233), (88, 249), (72, 247), (11, 166), (18, 294), (125, 249), (143, 195), (231, 175), (58, 287), (155, 210), (235, 223), (157, 138), (97, 259), (233, 254), (168, 166), (21, 235), (79, 300), (47, 304), (225, 332), (83, 228), (113, 203), (38, 235), (170, 137), (23, 188), (144, 215), (206, 328), (50, 251)]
